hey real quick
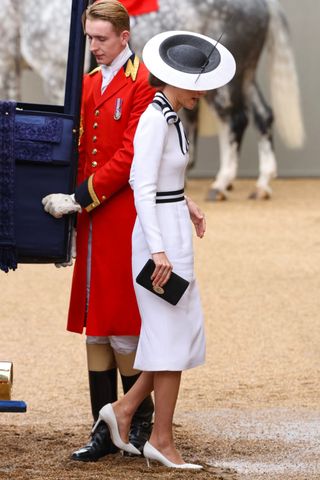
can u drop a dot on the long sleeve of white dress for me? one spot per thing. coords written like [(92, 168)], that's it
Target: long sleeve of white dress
[(149, 143)]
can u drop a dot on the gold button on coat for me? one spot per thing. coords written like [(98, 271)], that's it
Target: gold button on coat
[(96, 113), (94, 163), (94, 139), (94, 151), (95, 125)]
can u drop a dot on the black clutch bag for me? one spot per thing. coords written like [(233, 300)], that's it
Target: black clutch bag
[(172, 291)]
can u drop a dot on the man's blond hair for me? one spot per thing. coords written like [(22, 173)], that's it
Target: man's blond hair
[(109, 11)]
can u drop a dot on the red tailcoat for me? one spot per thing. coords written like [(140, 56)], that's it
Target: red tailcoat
[(106, 152), (140, 7)]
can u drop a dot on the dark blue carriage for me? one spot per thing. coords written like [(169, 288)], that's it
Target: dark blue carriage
[(45, 151), (42, 146)]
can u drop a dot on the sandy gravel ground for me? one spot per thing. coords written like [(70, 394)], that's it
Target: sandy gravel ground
[(252, 412)]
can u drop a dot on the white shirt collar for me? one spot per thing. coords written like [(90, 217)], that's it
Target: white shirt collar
[(110, 71)]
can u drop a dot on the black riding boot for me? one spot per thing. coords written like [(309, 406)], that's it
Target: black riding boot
[(141, 424), (103, 389)]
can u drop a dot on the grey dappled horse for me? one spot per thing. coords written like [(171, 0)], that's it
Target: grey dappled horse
[(247, 27), (40, 36), (34, 34)]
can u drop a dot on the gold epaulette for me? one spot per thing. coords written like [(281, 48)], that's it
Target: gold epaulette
[(95, 70), (132, 68)]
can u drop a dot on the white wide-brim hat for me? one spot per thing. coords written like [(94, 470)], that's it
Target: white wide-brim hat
[(189, 60)]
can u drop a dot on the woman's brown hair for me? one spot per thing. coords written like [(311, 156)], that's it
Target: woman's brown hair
[(155, 82)]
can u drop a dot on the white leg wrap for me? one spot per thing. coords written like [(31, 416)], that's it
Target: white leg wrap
[(268, 164), (228, 160)]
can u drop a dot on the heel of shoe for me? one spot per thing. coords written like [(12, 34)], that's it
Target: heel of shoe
[(146, 453), (96, 425)]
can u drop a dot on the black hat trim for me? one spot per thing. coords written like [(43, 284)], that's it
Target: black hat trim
[(189, 54)]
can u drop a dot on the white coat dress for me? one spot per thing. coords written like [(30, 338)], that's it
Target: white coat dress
[(172, 337)]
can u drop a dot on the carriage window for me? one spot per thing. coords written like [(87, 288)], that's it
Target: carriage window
[(34, 52)]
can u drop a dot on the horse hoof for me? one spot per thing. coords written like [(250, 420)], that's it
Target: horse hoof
[(215, 195), (259, 194), (229, 187)]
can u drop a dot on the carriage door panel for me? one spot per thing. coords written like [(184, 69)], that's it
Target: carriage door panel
[(46, 160)]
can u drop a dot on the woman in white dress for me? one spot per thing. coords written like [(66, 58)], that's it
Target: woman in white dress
[(183, 65)]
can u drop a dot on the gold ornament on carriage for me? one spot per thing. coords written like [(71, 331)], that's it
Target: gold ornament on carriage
[(6, 379)]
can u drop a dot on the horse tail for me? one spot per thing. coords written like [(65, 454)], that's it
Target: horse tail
[(285, 93)]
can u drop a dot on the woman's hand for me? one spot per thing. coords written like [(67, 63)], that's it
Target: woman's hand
[(197, 217), (162, 271)]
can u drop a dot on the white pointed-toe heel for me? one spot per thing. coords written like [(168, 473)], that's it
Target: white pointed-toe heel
[(151, 453), (107, 415)]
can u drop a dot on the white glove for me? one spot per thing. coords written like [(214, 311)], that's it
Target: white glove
[(59, 204), (73, 251)]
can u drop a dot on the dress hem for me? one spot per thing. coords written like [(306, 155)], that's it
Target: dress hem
[(159, 368)]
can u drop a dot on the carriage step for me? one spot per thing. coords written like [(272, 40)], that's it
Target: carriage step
[(13, 406)]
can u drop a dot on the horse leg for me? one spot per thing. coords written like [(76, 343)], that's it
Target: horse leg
[(228, 164), (233, 122), (263, 119)]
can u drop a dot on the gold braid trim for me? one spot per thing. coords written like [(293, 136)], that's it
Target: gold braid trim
[(81, 130), (95, 70), (132, 68), (96, 202)]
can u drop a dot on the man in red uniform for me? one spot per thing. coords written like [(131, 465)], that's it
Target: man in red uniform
[(102, 298)]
